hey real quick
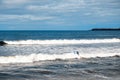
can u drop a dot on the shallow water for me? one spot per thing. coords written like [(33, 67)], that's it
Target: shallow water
[(106, 68)]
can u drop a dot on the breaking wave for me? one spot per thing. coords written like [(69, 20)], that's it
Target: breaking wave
[(42, 57), (35, 57), (65, 41)]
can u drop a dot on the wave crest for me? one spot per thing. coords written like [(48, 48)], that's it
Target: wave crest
[(65, 41), (35, 57), (42, 57)]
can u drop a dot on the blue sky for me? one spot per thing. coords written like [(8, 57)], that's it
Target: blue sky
[(59, 14)]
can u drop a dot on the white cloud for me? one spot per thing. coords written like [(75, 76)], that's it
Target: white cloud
[(24, 17), (62, 11), (83, 7), (11, 2), (62, 6), (88, 14)]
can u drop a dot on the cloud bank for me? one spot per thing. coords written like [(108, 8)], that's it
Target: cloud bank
[(62, 12)]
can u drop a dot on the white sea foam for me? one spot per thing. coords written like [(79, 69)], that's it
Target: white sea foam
[(65, 41), (42, 57), (92, 55), (36, 57)]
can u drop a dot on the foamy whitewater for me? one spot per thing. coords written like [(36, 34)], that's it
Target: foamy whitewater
[(92, 41), (60, 55)]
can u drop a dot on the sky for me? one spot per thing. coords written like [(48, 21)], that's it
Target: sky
[(59, 14)]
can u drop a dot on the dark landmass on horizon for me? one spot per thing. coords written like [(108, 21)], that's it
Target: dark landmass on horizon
[(105, 29)]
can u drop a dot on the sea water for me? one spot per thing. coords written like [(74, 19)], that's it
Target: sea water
[(60, 55)]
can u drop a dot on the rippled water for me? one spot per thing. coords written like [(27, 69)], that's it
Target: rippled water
[(72, 69)]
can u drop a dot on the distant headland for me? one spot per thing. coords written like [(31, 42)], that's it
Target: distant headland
[(105, 29)]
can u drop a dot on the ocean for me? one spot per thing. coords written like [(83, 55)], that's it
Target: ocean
[(60, 55)]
